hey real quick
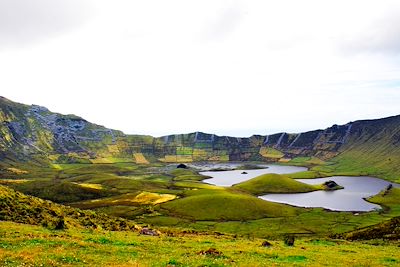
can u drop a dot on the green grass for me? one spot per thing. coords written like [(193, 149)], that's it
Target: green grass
[(25, 245), (199, 200), (306, 175), (269, 152), (389, 198), (223, 205), (274, 183), (306, 161)]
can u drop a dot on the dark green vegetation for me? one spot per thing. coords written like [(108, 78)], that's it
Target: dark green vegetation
[(68, 160)]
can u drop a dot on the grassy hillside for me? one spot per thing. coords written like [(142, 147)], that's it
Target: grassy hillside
[(388, 230), (372, 149), (18, 207), (274, 183)]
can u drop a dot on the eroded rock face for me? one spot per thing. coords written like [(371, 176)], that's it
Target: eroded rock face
[(30, 131), (34, 130)]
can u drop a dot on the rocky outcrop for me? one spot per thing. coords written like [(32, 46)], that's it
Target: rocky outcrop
[(331, 185)]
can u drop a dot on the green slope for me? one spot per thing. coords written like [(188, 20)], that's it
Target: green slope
[(217, 205), (18, 207), (274, 183)]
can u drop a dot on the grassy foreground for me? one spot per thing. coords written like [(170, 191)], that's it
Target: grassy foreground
[(26, 245)]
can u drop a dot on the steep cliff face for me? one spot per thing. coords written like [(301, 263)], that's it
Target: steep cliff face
[(28, 132), (34, 134)]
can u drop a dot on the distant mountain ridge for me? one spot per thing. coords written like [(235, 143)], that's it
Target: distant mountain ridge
[(36, 135)]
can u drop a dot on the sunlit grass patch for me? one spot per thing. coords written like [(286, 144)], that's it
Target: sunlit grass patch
[(92, 186), (176, 158), (16, 170), (142, 198), (269, 152), (140, 158), (153, 198), (101, 160)]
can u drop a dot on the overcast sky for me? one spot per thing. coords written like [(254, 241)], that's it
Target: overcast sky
[(227, 67)]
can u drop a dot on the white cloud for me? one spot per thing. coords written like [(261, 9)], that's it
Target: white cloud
[(230, 67), (25, 21)]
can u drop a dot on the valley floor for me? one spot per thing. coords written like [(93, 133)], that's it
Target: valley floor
[(27, 245)]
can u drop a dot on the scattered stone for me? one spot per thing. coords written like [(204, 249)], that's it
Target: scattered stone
[(181, 166), (147, 231), (288, 240), (210, 252), (266, 244), (60, 224), (244, 172)]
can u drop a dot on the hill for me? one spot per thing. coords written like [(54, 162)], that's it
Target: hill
[(34, 135), (388, 230), (222, 205), (274, 183)]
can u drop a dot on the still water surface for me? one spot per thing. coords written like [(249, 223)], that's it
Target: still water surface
[(229, 178), (351, 198)]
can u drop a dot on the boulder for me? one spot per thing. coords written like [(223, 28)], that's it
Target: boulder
[(210, 252), (244, 172), (266, 244), (288, 240), (147, 231), (181, 166)]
